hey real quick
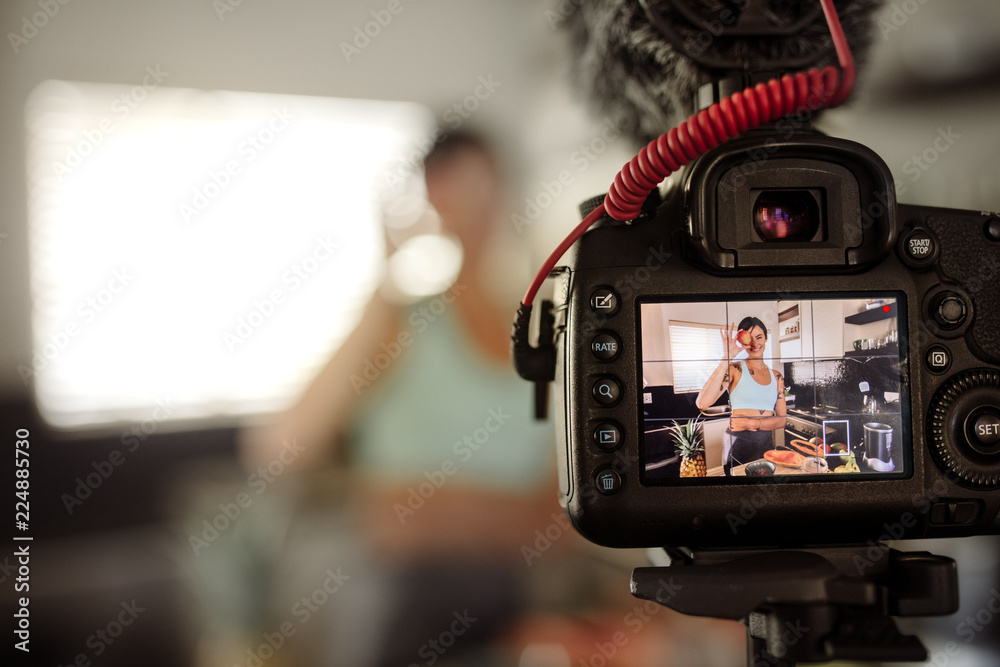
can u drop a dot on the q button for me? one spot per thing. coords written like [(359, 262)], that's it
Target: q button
[(607, 391)]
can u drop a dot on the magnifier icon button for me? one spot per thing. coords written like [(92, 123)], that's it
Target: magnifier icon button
[(607, 391)]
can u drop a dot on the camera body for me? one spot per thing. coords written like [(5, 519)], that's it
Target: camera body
[(882, 324)]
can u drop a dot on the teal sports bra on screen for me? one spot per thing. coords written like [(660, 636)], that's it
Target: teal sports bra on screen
[(749, 394)]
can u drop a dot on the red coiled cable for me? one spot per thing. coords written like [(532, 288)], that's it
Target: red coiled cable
[(803, 91)]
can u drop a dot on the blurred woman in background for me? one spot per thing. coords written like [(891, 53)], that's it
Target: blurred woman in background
[(451, 474)]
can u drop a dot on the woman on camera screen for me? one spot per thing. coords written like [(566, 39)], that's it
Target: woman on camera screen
[(756, 394)]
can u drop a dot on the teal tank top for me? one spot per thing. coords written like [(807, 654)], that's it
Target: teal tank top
[(442, 407), (749, 394)]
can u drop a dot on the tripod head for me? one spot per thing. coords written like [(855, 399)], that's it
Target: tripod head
[(809, 605)]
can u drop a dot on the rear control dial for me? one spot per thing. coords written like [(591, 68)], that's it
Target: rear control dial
[(963, 428)]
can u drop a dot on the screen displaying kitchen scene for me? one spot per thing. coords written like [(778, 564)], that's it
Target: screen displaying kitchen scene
[(803, 387)]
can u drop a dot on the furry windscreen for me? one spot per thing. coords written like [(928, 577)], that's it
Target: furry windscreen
[(628, 70)]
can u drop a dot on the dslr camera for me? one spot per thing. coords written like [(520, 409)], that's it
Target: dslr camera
[(777, 353)]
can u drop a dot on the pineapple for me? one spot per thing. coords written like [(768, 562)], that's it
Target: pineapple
[(691, 446)]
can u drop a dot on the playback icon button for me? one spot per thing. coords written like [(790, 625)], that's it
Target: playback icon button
[(607, 436)]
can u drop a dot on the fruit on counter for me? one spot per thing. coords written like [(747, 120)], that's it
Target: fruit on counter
[(744, 338), (850, 466), (689, 441), (784, 457), (806, 448), (840, 448)]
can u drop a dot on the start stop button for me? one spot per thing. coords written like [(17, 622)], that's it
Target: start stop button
[(918, 248)]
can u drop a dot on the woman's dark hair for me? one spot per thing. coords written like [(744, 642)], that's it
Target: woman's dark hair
[(449, 144), (748, 323)]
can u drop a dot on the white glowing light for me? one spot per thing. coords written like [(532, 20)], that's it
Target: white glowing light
[(208, 249), (426, 265)]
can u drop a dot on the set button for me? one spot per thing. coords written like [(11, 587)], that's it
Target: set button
[(982, 430)]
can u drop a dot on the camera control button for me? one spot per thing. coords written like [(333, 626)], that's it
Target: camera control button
[(605, 346), (607, 391), (992, 229), (919, 248), (982, 429), (938, 359), (604, 301), (947, 512), (963, 428), (607, 436), (949, 310), (608, 481)]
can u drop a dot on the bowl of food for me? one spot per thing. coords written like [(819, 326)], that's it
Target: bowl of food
[(759, 469), (814, 464)]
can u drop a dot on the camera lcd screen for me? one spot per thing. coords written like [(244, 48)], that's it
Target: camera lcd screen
[(801, 387)]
